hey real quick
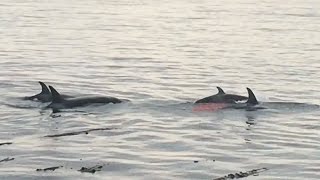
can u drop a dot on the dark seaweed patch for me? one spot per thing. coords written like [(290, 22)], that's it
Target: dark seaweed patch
[(50, 168), (91, 169), (205, 160), (6, 159), (238, 175), (5, 143), (80, 132)]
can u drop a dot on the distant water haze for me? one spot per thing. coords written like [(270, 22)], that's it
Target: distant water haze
[(162, 55)]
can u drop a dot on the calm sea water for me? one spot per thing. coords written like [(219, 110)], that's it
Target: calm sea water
[(160, 55)]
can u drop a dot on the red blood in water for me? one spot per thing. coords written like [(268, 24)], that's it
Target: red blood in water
[(209, 107)]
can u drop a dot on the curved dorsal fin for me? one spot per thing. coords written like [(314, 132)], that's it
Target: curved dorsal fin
[(56, 97), (252, 100), (220, 90), (45, 89)]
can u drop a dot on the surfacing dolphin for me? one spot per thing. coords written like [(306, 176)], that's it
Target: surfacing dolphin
[(222, 97), (45, 94), (58, 102), (251, 104), (228, 101)]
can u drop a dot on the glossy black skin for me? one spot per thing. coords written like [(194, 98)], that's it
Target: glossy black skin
[(84, 101), (224, 98), (58, 102)]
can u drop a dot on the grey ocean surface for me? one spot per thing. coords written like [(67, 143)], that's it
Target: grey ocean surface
[(160, 55)]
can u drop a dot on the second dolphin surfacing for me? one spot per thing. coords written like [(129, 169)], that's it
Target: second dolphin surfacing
[(58, 102), (221, 97), (224, 101), (45, 95)]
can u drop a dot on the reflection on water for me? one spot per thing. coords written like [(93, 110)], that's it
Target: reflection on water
[(250, 121), (162, 56)]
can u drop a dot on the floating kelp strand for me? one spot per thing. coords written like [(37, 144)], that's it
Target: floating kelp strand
[(49, 168), (80, 132), (5, 143), (6, 159), (242, 174), (91, 169)]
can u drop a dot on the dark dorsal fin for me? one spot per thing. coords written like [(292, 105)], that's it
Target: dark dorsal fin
[(56, 97), (220, 90), (252, 100), (45, 89)]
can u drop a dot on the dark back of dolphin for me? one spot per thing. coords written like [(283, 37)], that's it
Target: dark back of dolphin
[(56, 97), (222, 97), (252, 100), (251, 104), (217, 98), (58, 102), (43, 96)]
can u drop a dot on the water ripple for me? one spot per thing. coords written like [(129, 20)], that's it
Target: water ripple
[(160, 55)]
